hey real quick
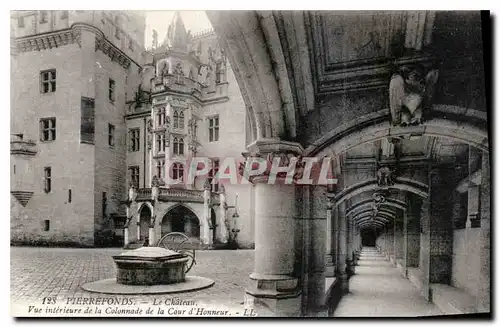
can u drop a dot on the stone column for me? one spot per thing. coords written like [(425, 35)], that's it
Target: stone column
[(138, 224), (274, 289), (125, 229), (412, 233), (405, 244), (342, 272), (223, 235), (484, 284), (436, 243), (349, 258), (152, 236), (329, 268), (335, 226), (399, 251), (205, 225), (314, 210)]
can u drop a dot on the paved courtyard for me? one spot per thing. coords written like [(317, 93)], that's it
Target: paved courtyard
[(58, 272)]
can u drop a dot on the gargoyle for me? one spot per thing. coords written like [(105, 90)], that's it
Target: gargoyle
[(410, 94)]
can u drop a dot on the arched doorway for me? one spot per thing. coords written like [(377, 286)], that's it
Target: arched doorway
[(182, 220), (145, 219)]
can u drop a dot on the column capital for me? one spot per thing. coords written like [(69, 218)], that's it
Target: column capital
[(265, 151), (274, 146)]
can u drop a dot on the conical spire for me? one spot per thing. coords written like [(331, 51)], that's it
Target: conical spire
[(177, 36)]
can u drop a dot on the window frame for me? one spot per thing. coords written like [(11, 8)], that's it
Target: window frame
[(50, 82), (111, 135), (178, 171), (46, 225), (51, 129), (135, 175), (111, 90), (160, 167), (213, 128), (178, 146), (134, 139), (47, 179)]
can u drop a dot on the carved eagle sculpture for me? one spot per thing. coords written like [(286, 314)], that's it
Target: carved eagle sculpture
[(410, 95)]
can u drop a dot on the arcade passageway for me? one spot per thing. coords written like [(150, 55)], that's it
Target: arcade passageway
[(398, 102), (378, 289)]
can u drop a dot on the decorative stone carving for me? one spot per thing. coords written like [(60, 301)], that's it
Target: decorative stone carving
[(385, 177), (155, 182), (131, 192), (178, 69), (379, 198), (222, 189), (285, 160), (152, 222), (112, 52), (410, 94), (207, 186), (164, 70)]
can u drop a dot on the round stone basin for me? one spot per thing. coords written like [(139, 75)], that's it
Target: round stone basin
[(150, 266)]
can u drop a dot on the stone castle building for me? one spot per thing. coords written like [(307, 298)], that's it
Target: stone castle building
[(397, 100), (110, 120)]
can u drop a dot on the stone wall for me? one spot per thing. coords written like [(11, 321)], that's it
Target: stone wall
[(71, 162), (466, 259), (110, 163)]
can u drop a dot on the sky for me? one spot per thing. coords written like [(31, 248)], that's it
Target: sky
[(196, 21)]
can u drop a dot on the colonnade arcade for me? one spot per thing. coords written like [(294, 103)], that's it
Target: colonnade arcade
[(401, 183)]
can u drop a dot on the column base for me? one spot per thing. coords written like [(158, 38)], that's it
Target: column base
[(273, 296), (329, 267), (344, 282), (351, 268)]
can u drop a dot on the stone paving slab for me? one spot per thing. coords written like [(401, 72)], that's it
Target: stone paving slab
[(59, 272)]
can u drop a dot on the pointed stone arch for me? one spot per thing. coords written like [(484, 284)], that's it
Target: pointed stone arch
[(181, 218)]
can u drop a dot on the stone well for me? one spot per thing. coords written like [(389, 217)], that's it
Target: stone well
[(150, 266)]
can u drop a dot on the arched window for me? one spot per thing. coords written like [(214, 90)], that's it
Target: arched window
[(160, 166), (181, 120), (178, 145), (218, 73), (161, 117), (178, 171), (160, 142), (176, 119)]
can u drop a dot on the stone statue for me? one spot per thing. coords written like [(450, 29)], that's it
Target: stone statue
[(178, 69), (385, 177), (410, 94), (164, 69), (131, 191)]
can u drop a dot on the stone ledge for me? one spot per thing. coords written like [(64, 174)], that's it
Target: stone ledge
[(110, 286), (452, 300)]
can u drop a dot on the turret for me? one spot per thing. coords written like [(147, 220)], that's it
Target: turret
[(177, 37)]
